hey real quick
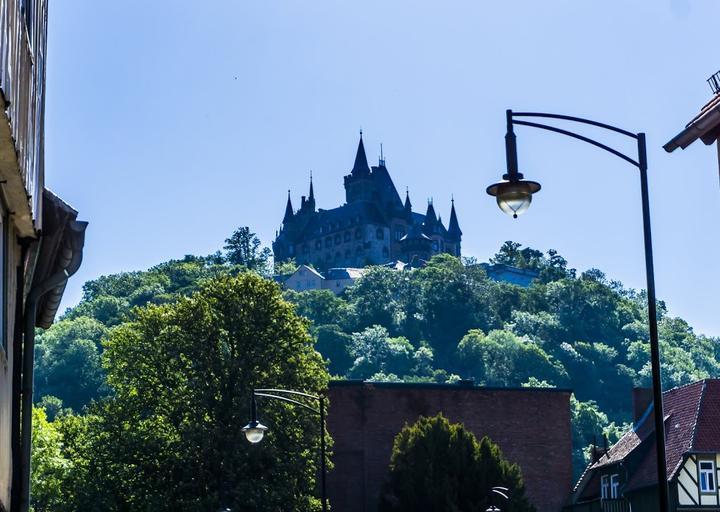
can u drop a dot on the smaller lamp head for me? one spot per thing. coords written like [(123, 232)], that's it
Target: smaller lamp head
[(514, 197), (254, 431)]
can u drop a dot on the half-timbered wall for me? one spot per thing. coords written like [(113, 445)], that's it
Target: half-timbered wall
[(688, 483)]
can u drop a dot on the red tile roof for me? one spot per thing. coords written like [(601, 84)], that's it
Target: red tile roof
[(692, 424)]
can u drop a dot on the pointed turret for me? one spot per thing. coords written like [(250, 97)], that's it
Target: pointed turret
[(361, 166), (408, 204), (288, 210), (430, 219), (311, 196), (454, 227)]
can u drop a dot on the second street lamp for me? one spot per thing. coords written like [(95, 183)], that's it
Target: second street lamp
[(255, 431), (514, 196)]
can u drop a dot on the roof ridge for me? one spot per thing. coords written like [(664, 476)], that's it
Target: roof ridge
[(683, 386), (697, 414)]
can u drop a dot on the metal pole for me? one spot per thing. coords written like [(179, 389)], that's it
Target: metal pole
[(323, 469), (511, 150), (652, 321)]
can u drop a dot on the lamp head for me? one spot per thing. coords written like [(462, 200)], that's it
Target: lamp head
[(254, 431), (514, 196)]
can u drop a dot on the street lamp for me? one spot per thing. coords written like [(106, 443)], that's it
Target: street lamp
[(514, 195), (255, 431)]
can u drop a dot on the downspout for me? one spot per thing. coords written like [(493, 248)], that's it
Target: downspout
[(36, 293), (17, 375)]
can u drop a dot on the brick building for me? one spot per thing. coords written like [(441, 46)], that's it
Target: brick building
[(373, 227), (531, 426)]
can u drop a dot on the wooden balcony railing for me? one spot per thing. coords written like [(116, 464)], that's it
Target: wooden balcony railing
[(23, 29)]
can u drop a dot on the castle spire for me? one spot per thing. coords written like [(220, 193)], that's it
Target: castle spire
[(361, 164), (430, 219), (454, 227), (288, 210), (311, 196)]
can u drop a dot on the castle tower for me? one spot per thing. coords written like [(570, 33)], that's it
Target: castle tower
[(358, 185)]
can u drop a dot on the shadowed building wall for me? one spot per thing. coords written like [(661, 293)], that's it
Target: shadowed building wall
[(531, 426)]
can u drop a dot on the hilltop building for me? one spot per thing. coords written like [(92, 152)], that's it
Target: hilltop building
[(373, 227)]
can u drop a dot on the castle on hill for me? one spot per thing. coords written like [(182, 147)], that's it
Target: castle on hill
[(373, 227)]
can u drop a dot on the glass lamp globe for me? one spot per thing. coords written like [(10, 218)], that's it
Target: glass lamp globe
[(514, 197), (254, 431)]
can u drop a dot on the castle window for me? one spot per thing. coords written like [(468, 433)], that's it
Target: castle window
[(337, 256), (328, 242), (347, 236), (435, 245), (386, 253), (305, 248), (338, 239), (399, 233), (379, 234), (347, 253), (358, 233), (358, 250), (318, 244), (291, 250)]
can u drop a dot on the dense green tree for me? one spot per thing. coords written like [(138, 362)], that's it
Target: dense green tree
[(321, 307), (67, 361), (244, 248), (503, 359), (374, 351), (50, 466), (169, 436), (336, 347), (437, 466)]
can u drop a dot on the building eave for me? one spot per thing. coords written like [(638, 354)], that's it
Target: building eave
[(705, 126)]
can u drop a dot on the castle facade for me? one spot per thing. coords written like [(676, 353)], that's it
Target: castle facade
[(373, 227)]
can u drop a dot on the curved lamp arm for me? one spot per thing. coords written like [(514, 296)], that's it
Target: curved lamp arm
[(640, 137)]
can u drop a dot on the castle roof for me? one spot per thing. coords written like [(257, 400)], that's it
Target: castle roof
[(454, 227), (361, 166)]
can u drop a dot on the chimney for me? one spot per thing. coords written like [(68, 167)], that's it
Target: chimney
[(641, 398)]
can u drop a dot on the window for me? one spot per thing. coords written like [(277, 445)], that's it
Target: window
[(399, 233), (338, 239), (328, 242), (614, 486), (358, 233), (707, 476), (379, 234), (386, 253), (435, 246), (604, 487), (318, 244), (347, 236)]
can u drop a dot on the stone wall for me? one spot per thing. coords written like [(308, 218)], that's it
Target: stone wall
[(531, 426)]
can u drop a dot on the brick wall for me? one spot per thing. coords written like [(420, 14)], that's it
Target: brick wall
[(531, 426)]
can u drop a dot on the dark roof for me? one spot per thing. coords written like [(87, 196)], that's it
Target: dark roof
[(361, 165), (692, 424), (704, 126), (454, 227), (367, 211)]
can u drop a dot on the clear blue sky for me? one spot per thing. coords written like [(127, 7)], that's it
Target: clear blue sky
[(171, 123)]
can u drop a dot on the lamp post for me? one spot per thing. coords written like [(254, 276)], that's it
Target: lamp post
[(514, 196), (255, 431)]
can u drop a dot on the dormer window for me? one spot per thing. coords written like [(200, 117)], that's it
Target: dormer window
[(707, 476), (604, 487), (614, 486)]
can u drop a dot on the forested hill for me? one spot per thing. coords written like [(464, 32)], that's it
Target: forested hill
[(440, 323)]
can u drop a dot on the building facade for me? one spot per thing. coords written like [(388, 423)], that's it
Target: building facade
[(41, 240), (373, 227), (530, 425), (625, 478)]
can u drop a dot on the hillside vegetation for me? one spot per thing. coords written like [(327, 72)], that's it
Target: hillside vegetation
[(441, 323)]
